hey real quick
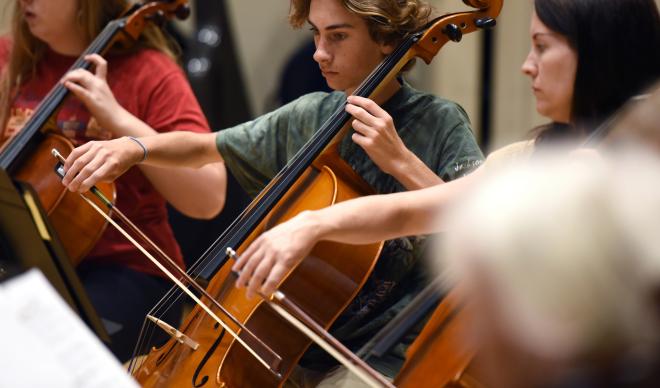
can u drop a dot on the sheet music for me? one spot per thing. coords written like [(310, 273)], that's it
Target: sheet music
[(44, 344)]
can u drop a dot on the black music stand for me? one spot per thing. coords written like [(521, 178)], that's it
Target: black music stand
[(28, 240)]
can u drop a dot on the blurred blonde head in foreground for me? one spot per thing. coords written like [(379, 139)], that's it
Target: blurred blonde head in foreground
[(560, 259)]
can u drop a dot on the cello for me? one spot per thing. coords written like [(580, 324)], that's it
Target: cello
[(443, 353), (255, 346), (27, 156)]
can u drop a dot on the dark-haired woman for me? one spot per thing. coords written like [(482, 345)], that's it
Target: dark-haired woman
[(47, 36)]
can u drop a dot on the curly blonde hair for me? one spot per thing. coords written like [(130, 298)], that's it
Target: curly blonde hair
[(388, 21)]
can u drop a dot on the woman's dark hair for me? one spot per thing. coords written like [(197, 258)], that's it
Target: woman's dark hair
[(618, 53)]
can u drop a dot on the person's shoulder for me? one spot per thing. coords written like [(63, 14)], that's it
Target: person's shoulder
[(519, 147), (432, 104), (146, 70), (509, 154), (317, 102), (444, 105), (319, 98), (146, 60), (5, 43)]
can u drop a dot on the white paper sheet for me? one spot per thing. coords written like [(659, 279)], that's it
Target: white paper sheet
[(44, 344)]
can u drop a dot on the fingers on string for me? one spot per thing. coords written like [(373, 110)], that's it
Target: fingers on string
[(362, 128), (360, 114), (246, 255), (79, 91), (81, 77), (101, 65), (363, 141), (368, 105), (248, 265)]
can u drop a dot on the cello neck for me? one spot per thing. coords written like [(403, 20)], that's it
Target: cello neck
[(12, 154)]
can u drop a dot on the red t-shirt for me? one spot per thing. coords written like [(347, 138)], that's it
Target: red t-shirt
[(153, 88)]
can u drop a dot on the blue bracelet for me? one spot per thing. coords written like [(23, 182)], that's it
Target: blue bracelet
[(144, 148)]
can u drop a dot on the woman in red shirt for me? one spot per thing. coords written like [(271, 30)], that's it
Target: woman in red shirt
[(143, 81)]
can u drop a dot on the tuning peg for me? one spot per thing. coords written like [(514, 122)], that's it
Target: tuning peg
[(182, 12), (158, 18), (485, 23), (453, 32)]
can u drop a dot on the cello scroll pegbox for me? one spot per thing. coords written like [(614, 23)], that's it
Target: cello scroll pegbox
[(481, 4), (158, 18), (182, 12)]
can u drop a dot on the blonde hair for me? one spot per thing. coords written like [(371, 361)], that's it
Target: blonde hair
[(573, 272), (27, 50)]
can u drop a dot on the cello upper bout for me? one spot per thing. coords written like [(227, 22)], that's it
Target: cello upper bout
[(315, 190)]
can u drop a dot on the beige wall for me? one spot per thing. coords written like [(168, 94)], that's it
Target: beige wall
[(264, 41), (455, 71), (514, 110), (5, 12)]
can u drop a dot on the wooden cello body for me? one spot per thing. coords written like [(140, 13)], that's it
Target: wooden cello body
[(205, 353), (78, 227)]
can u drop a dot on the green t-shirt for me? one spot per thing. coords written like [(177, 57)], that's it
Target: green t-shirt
[(436, 130)]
